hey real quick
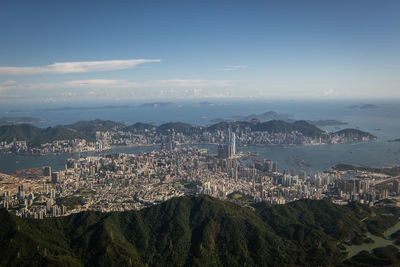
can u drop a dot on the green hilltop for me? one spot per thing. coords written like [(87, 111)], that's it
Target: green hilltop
[(90, 128), (355, 133), (194, 231), (35, 135)]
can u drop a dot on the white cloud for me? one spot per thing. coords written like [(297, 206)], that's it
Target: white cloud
[(6, 85), (328, 92), (74, 67), (235, 67), (69, 94), (85, 83)]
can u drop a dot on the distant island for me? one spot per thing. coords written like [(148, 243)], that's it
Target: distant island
[(266, 116), (394, 140), (159, 105), (203, 104), (364, 106)]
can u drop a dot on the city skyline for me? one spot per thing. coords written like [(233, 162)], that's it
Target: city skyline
[(98, 51)]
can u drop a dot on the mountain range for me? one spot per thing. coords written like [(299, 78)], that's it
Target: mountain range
[(87, 129)]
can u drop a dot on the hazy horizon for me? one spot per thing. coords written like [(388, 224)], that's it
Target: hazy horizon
[(55, 52)]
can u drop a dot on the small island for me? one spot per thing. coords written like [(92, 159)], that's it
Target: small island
[(266, 116), (159, 105), (203, 104)]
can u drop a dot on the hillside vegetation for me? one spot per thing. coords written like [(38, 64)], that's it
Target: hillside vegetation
[(35, 135), (190, 231)]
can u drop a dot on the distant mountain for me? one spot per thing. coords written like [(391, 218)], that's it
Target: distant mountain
[(356, 134), (179, 127), (324, 123), (139, 127), (60, 133), (267, 116), (364, 106), (194, 231), (19, 132), (87, 129), (159, 105), (203, 104), (90, 128), (35, 136)]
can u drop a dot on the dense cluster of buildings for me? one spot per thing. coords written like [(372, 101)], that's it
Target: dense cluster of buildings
[(54, 147), (242, 137), (117, 182), (169, 138)]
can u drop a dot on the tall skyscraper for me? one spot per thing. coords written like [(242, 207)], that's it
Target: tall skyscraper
[(47, 171), (231, 143), (228, 150)]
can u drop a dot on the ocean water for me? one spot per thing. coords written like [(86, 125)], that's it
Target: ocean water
[(382, 121)]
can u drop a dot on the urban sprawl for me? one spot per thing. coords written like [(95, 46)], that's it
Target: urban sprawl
[(118, 182)]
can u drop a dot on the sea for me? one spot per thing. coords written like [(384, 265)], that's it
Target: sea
[(378, 117)]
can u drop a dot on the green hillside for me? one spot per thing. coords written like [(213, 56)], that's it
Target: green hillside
[(190, 231), (179, 127), (19, 132), (355, 133), (34, 135), (90, 128), (139, 127)]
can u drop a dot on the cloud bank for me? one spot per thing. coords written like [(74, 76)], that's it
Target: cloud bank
[(76, 67), (328, 92), (116, 89)]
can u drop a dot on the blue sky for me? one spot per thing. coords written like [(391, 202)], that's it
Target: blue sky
[(63, 51)]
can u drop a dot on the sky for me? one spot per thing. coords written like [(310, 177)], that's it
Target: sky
[(96, 51)]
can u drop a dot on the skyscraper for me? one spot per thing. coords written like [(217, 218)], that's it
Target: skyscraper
[(231, 143), (47, 171), (228, 150)]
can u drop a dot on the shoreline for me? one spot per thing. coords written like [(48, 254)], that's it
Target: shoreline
[(191, 144)]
